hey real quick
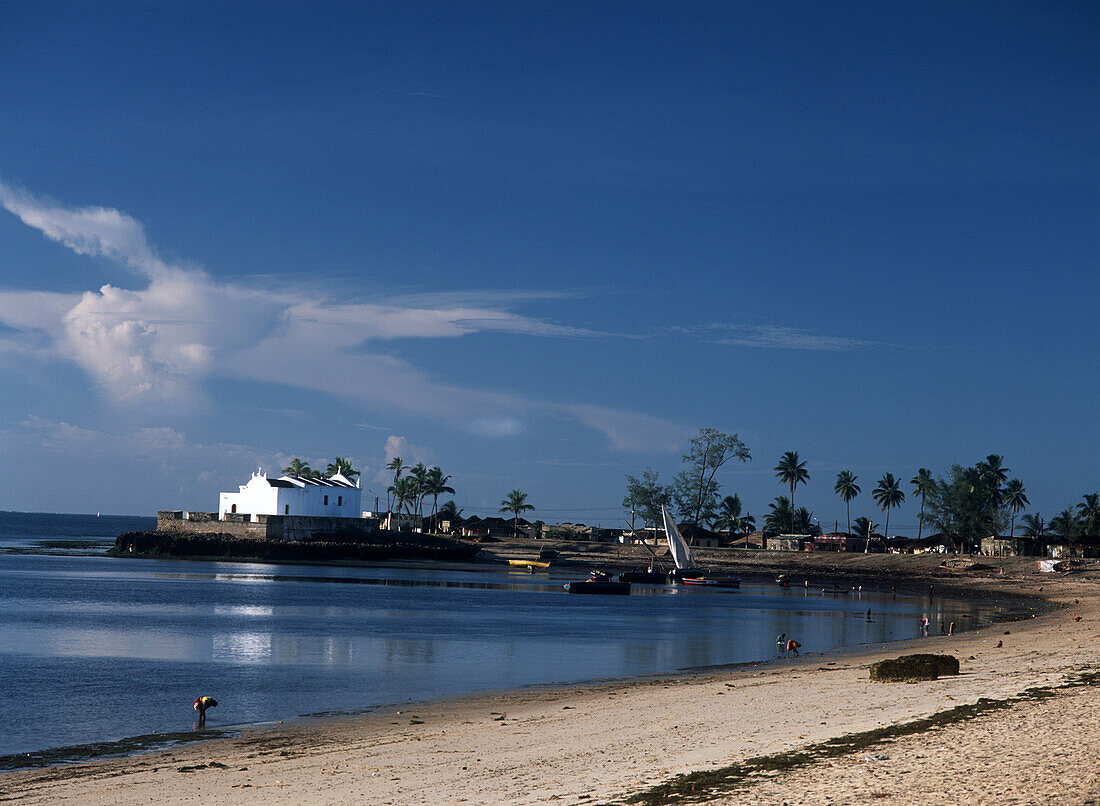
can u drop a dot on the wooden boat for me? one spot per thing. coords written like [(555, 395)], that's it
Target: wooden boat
[(598, 586), (529, 563), (712, 582)]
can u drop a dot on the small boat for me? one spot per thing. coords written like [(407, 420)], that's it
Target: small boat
[(598, 582), (712, 582), (529, 563), (598, 586)]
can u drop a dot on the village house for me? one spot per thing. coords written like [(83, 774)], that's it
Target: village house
[(997, 546)]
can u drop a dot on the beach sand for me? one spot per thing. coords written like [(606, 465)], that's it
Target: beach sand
[(604, 743)]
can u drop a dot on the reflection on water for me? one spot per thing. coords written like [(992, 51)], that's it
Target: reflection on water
[(274, 641), (242, 647)]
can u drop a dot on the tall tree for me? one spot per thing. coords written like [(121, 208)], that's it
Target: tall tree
[(1067, 525), (887, 494), (298, 468), (343, 467), (515, 502), (1088, 512), (730, 516), (864, 528), (923, 485), (404, 492), (964, 506), (449, 509), (994, 474), (780, 519), (791, 471), (1034, 525), (646, 496), (435, 485), (419, 474), (695, 488), (1015, 498), (847, 489), (396, 465)]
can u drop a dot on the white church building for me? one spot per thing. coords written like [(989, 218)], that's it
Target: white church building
[(333, 497)]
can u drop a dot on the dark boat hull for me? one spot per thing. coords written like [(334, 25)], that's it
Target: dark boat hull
[(598, 587)]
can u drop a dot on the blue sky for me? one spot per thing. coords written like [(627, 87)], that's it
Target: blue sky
[(540, 244)]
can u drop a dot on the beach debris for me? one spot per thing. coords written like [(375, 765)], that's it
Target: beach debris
[(909, 668), (878, 757), (1076, 618), (1000, 644)]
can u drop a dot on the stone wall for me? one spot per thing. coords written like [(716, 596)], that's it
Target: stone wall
[(269, 527)]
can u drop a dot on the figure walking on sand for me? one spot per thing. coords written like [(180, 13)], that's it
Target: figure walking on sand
[(201, 704)]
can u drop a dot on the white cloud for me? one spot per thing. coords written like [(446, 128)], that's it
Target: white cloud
[(96, 231), (777, 337), (154, 346)]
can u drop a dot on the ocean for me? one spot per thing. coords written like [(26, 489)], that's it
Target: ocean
[(97, 649)]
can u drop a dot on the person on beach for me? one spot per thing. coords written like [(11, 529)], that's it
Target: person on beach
[(780, 641), (201, 704), (924, 625), (792, 646)]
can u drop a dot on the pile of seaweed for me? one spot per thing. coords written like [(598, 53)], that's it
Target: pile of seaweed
[(378, 546)]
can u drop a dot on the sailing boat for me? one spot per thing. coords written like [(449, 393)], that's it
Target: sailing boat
[(686, 571)]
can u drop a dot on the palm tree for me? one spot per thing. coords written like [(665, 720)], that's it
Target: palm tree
[(994, 473), (450, 510), (395, 464), (923, 485), (419, 474), (780, 517), (864, 528), (802, 520), (1034, 525), (791, 472), (887, 495), (847, 489), (729, 516), (1015, 499), (404, 494), (1066, 525), (343, 467), (515, 502), (1088, 512), (297, 469), (435, 484)]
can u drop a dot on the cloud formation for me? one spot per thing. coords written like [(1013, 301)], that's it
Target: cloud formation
[(153, 346), (776, 337)]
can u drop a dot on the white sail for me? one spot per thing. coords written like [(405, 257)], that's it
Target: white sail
[(681, 554)]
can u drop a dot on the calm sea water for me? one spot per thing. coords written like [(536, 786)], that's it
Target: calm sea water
[(97, 649)]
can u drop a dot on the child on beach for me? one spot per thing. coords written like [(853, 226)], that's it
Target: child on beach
[(792, 646)]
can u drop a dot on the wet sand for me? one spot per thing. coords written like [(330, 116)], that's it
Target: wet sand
[(610, 742)]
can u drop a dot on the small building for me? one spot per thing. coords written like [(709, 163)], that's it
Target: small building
[(838, 541), (1065, 551), (999, 546), (333, 497), (786, 542)]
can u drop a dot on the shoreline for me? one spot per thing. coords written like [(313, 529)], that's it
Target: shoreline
[(1013, 605), (312, 733)]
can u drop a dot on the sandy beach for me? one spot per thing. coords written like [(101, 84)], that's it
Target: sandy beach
[(633, 741)]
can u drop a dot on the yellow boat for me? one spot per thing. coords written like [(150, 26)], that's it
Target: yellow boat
[(529, 564)]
